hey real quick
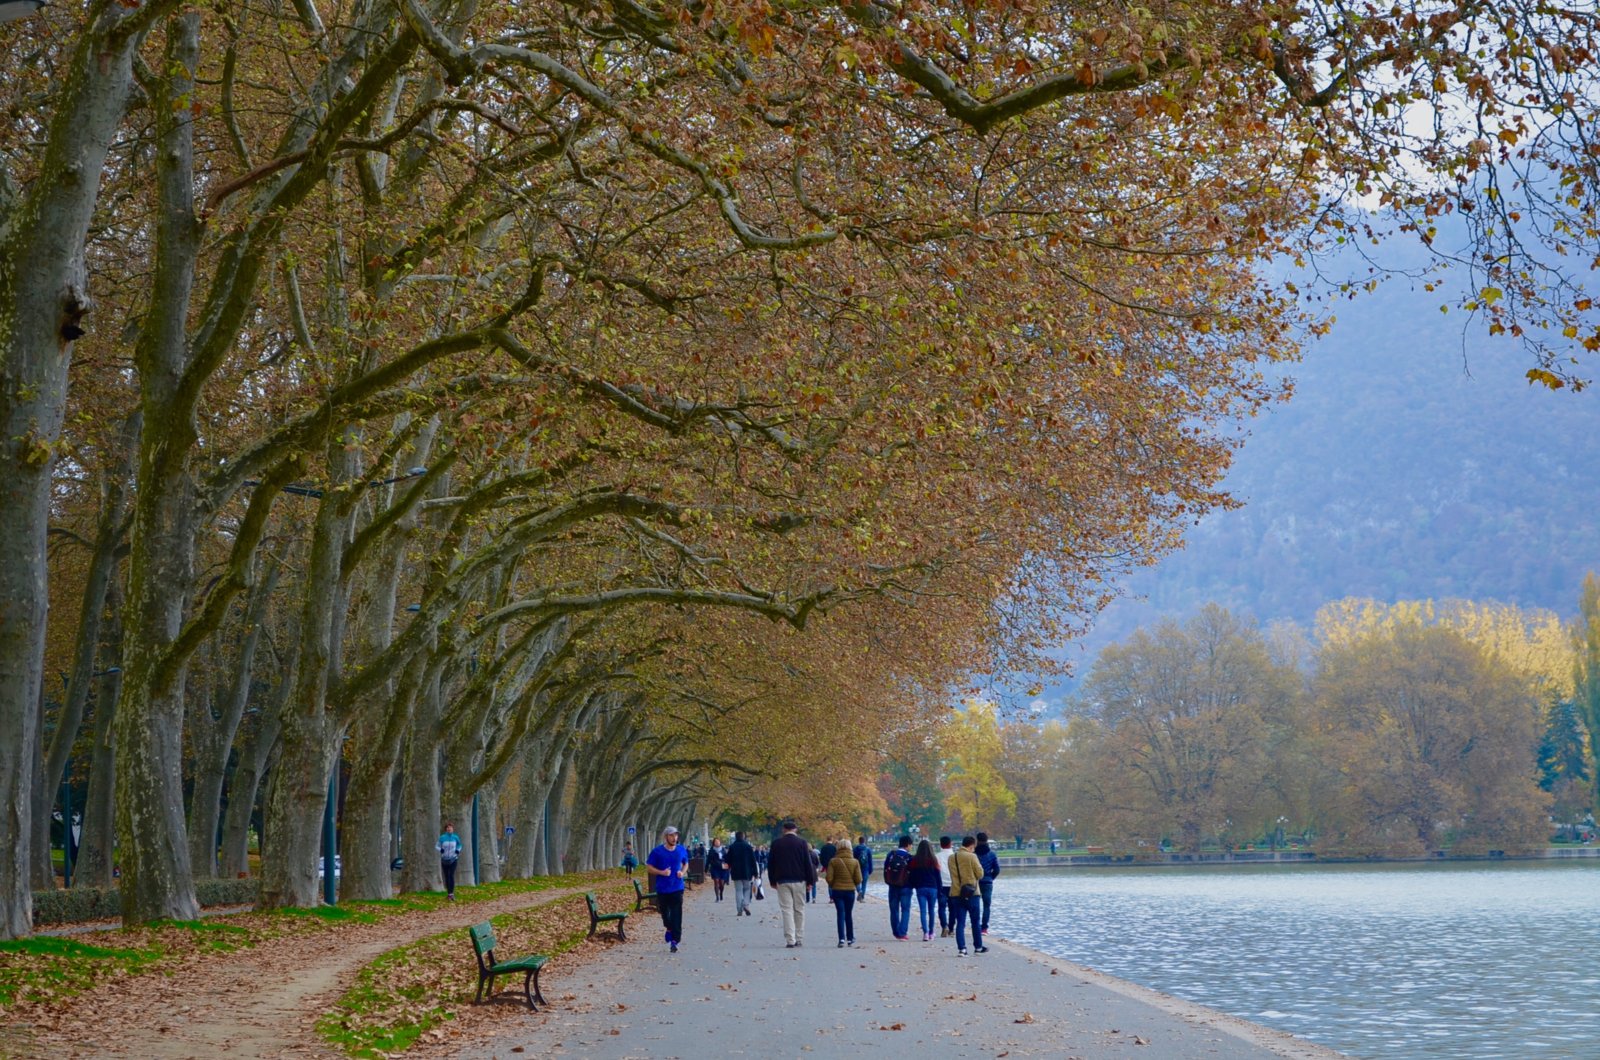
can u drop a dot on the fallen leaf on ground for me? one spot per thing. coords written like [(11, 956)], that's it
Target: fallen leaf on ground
[(893, 1027), (1027, 1017)]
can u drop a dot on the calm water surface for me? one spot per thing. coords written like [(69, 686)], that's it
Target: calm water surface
[(1467, 960)]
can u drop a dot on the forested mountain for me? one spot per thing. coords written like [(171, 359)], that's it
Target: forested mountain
[(1409, 463)]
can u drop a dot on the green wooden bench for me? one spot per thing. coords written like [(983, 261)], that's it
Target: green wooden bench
[(596, 917), (642, 896), (488, 967)]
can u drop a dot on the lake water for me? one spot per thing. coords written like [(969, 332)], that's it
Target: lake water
[(1448, 960)]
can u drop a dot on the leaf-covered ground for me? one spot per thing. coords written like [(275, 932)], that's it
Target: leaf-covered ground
[(425, 990), (251, 984)]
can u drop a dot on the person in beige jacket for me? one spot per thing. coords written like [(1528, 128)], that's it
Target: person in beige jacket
[(965, 873), (844, 877)]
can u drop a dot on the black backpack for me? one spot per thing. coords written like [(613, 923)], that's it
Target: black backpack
[(897, 868)]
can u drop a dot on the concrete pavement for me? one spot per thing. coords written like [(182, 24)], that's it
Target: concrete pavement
[(733, 989)]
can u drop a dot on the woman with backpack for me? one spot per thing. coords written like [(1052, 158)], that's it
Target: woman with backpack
[(925, 885)]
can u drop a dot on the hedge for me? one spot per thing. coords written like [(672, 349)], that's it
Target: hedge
[(92, 903)]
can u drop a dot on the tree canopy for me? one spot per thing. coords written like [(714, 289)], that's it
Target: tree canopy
[(468, 381)]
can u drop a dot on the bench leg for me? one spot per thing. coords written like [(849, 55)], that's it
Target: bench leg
[(593, 924), (490, 992), (527, 988), (620, 936), (478, 997), (536, 991)]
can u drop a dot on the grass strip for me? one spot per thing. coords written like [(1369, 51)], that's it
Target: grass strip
[(416, 989), (49, 970)]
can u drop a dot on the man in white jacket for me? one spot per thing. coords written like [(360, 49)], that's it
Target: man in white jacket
[(943, 854)]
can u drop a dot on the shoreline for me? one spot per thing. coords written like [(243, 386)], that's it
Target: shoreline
[(1279, 1042), (1279, 857)]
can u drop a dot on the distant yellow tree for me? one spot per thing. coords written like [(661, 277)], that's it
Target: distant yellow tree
[(1531, 641), (973, 755), (1433, 738)]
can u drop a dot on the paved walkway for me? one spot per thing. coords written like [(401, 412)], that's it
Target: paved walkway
[(733, 989)]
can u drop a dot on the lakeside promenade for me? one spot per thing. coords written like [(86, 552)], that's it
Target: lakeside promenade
[(733, 989)]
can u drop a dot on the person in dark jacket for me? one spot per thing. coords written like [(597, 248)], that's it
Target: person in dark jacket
[(863, 854), (717, 867), (991, 869), (896, 874), (790, 870), (740, 860), (925, 883)]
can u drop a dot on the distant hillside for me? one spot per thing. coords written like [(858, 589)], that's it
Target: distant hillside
[(1394, 474)]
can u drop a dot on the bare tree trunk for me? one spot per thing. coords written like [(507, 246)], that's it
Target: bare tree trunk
[(310, 734), (41, 871), (157, 881), (213, 737), (114, 477), (489, 832), (251, 768), (96, 864), (43, 300), (420, 799)]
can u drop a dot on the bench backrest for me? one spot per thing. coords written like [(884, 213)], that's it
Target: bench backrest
[(640, 891), (482, 939), (594, 909)]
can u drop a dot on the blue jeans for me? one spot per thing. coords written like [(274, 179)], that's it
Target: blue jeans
[(986, 892), (945, 920), (900, 911), (927, 902), (861, 892), (844, 907), (964, 909)]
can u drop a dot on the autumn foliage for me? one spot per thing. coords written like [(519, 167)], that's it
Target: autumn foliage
[(615, 410)]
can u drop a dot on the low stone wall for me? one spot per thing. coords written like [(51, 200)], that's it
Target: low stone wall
[(1253, 857)]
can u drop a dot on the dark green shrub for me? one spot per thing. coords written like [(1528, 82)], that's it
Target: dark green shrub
[(92, 903), (74, 905)]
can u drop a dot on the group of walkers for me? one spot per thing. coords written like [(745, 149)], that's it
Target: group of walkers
[(953, 885)]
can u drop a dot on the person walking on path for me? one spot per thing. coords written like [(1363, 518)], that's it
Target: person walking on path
[(863, 854), (816, 872), (965, 872), (717, 868), (946, 928), (897, 874), (991, 869), (825, 855), (740, 858), (789, 869), (925, 881), (449, 857), (629, 860), (669, 864), (844, 877)]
